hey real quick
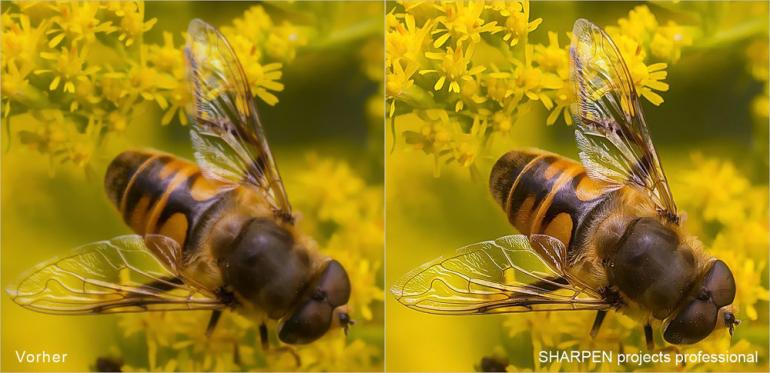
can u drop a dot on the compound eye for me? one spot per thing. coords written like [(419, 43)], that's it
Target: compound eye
[(693, 323), (307, 324), (720, 283), (334, 282)]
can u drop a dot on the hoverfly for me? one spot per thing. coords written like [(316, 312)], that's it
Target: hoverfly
[(598, 236), (209, 236)]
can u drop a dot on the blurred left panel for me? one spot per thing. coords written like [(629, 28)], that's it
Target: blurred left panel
[(192, 186)]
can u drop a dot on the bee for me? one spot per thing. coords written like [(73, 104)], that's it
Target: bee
[(601, 235), (212, 235)]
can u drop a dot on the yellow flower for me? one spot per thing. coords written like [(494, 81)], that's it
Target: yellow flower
[(518, 25), (149, 84), (78, 22), (453, 67), (399, 78), (262, 78), (462, 21), (69, 65), (167, 57), (14, 86), (564, 98), (255, 22), (646, 78), (21, 41), (668, 41), (531, 82), (85, 94), (639, 24), (133, 24), (283, 41), (406, 41), (470, 92), (552, 58)]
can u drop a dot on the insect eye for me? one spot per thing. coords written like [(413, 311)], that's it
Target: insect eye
[(334, 284), (692, 323), (308, 323), (720, 283)]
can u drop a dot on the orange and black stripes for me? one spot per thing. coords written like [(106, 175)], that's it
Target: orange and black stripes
[(544, 193), (161, 194)]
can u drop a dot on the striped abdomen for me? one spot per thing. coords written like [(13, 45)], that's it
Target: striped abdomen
[(158, 193), (544, 193)]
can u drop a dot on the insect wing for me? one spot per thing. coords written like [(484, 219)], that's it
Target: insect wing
[(502, 276), (611, 133), (120, 275), (228, 138)]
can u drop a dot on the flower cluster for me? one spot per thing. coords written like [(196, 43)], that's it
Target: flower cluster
[(468, 70), (81, 71), (344, 214)]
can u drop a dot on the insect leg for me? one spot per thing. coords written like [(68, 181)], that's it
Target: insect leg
[(213, 322), (236, 354), (648, 337), (266, 345), (263, 337), (598, 322)]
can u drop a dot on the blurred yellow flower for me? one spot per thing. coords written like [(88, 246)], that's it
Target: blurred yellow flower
[(60, 42)]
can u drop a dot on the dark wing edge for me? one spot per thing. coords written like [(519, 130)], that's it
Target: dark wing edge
[(506, 275), (611, 133), (227, 135), (125, 274)]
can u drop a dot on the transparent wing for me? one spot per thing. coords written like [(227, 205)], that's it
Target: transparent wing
[(611, 133), (510, 274), (229, 142), (125, 274)]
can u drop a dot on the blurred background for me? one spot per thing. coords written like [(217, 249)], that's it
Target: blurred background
[(701, 68), (84, 81)]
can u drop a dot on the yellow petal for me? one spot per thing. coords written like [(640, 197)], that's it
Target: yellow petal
[(54, 83), (56, 40), (441, 40), (439, 83)]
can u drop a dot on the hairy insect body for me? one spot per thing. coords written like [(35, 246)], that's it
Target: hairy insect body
[(614, 239), (544, 193), (158, 193)]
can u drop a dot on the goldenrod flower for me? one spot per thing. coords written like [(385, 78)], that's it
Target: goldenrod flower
[(133, 24), (406, 41), (283, 41), (552, 58), (462, 21), (668, 41), (564, 98), (69, 65), (78, 22), (646, 78), (518, 25), (639, 24), (21, 41), (453, 67), (531, 82)]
